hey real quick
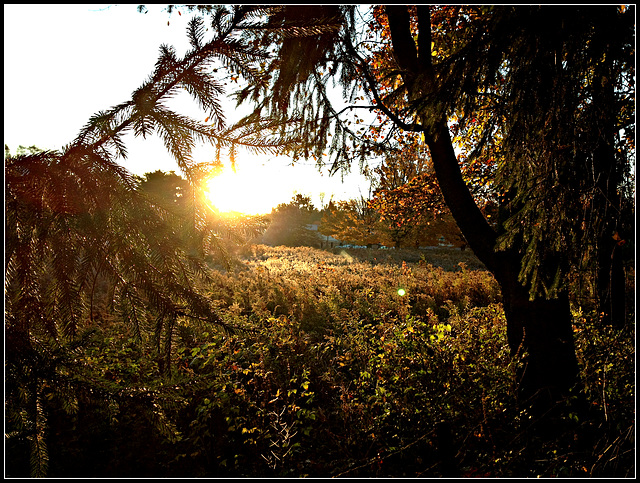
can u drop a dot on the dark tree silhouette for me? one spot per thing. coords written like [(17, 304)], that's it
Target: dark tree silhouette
[(289, 223), (538, 78), (77, 220)]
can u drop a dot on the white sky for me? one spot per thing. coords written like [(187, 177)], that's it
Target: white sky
[(63, 63)]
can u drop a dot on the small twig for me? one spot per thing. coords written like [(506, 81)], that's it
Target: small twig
[(604, 382), (379, 457), (216, 321)]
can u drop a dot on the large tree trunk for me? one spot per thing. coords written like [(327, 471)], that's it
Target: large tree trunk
[(610, 283), (610, 277), (540, 328)]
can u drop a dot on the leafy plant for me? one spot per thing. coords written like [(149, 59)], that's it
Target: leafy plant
[(331, 372)]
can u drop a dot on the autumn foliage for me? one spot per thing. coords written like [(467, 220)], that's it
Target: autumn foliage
[(138, 346), (326, 370)]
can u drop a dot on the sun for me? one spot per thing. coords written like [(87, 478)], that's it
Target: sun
[(243, 191)]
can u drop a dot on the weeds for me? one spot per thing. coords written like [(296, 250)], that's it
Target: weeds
[(333, 372)]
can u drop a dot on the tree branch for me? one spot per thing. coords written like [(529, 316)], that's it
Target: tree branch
[(470, 220)]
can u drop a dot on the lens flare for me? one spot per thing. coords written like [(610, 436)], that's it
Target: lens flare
[(247, 192)]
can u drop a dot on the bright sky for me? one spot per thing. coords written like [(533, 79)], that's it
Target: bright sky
[(64, 63)]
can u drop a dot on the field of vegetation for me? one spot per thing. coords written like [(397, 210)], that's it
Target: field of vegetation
[(351, 363)]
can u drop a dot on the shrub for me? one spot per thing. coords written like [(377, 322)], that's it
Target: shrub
[(325, 369)]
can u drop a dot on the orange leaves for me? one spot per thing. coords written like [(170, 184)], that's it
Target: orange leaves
[(619, 240), (322, 266)]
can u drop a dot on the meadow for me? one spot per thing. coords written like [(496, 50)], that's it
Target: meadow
[(350, 363)]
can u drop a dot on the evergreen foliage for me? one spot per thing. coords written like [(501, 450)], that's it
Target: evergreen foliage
[(556, 124), (298, 81), (84, 238)]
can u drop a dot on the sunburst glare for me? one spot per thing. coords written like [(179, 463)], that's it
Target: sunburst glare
[(248, 192)]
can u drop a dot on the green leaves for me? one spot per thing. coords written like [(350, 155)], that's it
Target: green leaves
[(343, 361)]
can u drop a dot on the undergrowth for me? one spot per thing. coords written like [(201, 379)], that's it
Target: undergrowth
[(331, 370)]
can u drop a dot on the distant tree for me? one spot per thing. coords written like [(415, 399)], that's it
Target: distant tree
[(168, 188), (414, 213), (289, 223), (22, 150), (353, 222), (401, 166)]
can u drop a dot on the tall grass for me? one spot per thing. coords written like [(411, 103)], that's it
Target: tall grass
[(331, 371)]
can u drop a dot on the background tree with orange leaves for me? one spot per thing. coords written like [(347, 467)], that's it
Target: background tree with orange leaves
[(533, 101)]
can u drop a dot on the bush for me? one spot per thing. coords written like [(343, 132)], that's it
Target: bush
[(325, 369)]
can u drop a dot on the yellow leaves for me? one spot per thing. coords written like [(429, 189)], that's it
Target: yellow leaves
[(344, 359), (441, 330)]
